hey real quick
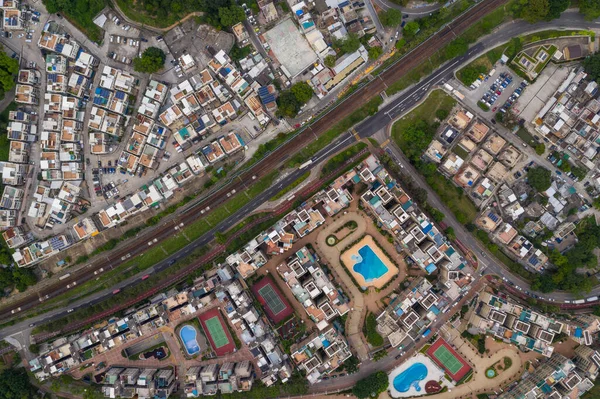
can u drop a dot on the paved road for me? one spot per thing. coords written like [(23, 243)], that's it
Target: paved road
[(415, 11)]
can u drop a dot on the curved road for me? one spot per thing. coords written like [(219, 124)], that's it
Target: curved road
[(414, 11)]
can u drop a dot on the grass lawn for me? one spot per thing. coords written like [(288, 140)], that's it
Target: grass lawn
[(437, 99), (453, 196), (460, 152), (526, 136)]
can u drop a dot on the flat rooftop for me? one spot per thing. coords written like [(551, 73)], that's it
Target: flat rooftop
[(290, 47)]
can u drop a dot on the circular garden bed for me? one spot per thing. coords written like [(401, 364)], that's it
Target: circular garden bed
[(491, 373), (331, 240)]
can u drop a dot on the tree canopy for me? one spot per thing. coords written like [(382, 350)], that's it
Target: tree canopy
[(539, 178), (8, 70), (536, 10), (152, 60), (374, 384), (590, 8), (16, 277), (375, 52), (457, 47), (591, 64), (564, 276), (302, 91), (14, 384), (417, 136), (410, 29), (231, 15), (470, 73), (348, 45), (290, 101), (391, 17), (330, 61), (539, 10)]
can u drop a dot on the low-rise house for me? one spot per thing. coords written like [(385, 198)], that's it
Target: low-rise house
[(25, 94), (231, 143)]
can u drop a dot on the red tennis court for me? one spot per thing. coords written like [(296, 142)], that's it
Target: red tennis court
[(446, 357), (274, 303), (217, 332)]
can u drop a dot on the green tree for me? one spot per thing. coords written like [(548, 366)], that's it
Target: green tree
[(391, 17), (375, 52), (373, 337), (348, 45), (302, 91), (371, 386), (330, 61), (539, 178), (400, 43), (287, 105), (469, 74), (8, 70), (151, 61), (591, 65), (417, 136), (14, 384), (441, 114), (579, 173), (229, 16), (450, 233), (556, 8), (536, 11), (351, 364), (590, 8), (410, 29), (456, 47), (237, 53), (540, 149)]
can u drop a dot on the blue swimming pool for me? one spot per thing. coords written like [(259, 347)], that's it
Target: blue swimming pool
[(368, 264), (410, 378), (188, 337)]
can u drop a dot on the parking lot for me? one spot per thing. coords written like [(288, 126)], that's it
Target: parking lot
[(496, 91)]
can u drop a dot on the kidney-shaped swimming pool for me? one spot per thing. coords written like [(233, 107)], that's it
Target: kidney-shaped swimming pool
[(410, 378)]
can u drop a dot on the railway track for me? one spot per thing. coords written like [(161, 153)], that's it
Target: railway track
[(191, 213), (184, 272)]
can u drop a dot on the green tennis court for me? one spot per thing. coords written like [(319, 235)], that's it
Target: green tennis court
[(215, 329), (449, 361), (273, 301)]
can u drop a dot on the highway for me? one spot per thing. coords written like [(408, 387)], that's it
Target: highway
[(240, 182)]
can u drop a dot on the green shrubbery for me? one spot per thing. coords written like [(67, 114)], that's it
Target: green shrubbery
[(373, 337), (371, 386)]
